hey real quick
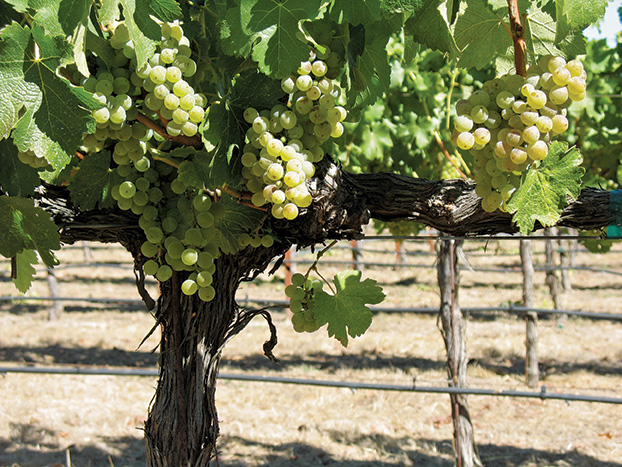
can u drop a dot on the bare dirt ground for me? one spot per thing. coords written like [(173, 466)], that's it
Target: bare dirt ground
[(97, 420)]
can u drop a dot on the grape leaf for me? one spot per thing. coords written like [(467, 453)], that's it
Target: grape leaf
[(369, 72), (91, 184), (47, 113), (544, 189), (205, 170), (25, 273), (253, 89), (354, 11), (481, 34), (238, 219), (144, 32), (540, 34), (275, 22), (428, 26), (581, 13), (345, 312), (16, 178), (27, 227)]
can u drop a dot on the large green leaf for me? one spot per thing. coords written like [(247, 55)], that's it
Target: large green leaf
[(16, 178), (544, 188), (481, 35), (91, 184), (26, 227), (46, 113), (429, 26), (275, 23), (345, 312)]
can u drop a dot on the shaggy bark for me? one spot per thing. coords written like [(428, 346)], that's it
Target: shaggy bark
[(183, 426)]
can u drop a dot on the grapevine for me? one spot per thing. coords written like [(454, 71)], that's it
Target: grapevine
[(508, 125)]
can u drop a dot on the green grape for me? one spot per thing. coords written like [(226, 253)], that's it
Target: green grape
[(576, 85), (101, 115), (171, 101), (559, 94), (267, 241), (481, 136), (479, 114), (531, 134), (561, 76), (319, 68), (149, 249), (538, 150), (150, 267), (187, 102), (181, 88), (292, 179), (154, 234), (207, 294), (189, 256), (303, 105), (518, 155), (196, 114), (560, 124), (298, 322), (189, 129), (290, 211), (536, 99), (465, 140), (204, 279), (164, 273), (288, 85), (294, 292), (461, 122), (157, 74), (180, 116), (298, 280), (189, 287), (127, 189), (295, 306), (275, 171)]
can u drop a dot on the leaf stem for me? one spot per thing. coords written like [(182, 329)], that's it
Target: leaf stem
[(166, 160), (317, 259)]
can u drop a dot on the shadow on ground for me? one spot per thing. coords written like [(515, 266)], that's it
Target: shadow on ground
[(36, 446), (397, 452), (60, 354)]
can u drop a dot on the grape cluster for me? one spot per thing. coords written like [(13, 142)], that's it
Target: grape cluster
[(508, 124), (283, 143), (301, 302), (179, 222), (31, 159)]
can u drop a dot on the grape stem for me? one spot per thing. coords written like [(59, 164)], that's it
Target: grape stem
[(518, 36), (166, 160), (193, 141), (236, 193), (439, 141), (317, 259)]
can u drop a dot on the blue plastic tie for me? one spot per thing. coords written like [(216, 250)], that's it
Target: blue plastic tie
[(615, 212)]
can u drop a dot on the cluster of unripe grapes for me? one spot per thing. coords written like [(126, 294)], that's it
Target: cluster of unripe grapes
[(283, 143), (179, 223), (301, 302), (31, 159), (509, 123)]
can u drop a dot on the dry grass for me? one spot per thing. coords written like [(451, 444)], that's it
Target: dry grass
[(98, 419)]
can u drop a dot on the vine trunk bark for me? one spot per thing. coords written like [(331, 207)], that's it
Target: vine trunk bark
[(182, 428), (454, 334)]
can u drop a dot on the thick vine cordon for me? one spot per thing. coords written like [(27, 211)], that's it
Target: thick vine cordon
[(508, 124)]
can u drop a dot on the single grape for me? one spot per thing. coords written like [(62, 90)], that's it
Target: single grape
[(290, 211), (577, 85), (531, 134), (479, 114), (538, 150), (207, 294), (518, 155), (164, 273), (127, 189), (288, 85), (150, 267), (554, 63), (560, 124), (196, 114), (558, 94), (575, 67), (461, 123), (465, 140), (304, 82), (189, 287), (561, 76), (157, 74), (481, 136)]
